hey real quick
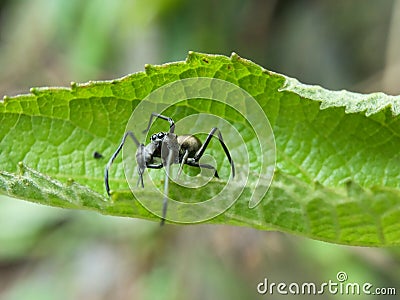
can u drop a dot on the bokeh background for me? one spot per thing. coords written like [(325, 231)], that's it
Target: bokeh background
[(49, 253)]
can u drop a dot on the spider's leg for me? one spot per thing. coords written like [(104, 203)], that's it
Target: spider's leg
[(141, 171), (200, 152), (184, 160), (155, 166), (191, 162), (169, 156), (130, 134), (141, 164), (166, 186), (152, 166), (156, 115), (140, 180)]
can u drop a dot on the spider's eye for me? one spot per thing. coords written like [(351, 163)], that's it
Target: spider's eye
[(157, 136)]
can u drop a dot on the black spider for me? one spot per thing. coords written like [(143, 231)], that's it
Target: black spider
[(172, 149)]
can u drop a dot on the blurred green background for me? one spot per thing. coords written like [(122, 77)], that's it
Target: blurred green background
[(49, 253)]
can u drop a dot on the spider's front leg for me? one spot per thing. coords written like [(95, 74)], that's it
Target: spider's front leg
[(144, 159), (165, 118), (115, 154), (169, 155), (141, 164)]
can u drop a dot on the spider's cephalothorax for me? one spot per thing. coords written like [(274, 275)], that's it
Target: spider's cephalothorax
[(171, 149)]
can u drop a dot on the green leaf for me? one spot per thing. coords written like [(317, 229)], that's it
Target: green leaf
[(337, 153)]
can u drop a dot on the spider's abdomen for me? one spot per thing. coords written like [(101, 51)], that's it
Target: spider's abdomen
[(190, 143)]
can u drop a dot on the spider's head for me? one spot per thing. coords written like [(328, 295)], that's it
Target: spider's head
[(157, 137)]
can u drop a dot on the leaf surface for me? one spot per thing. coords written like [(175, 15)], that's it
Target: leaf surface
[(337, 153)]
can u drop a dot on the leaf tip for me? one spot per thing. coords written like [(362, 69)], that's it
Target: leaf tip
[(234, 56), (191, 56), (149, 69), (34, 90)]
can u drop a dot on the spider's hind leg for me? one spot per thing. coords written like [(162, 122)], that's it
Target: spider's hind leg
[(191, 162), (200, 152)]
